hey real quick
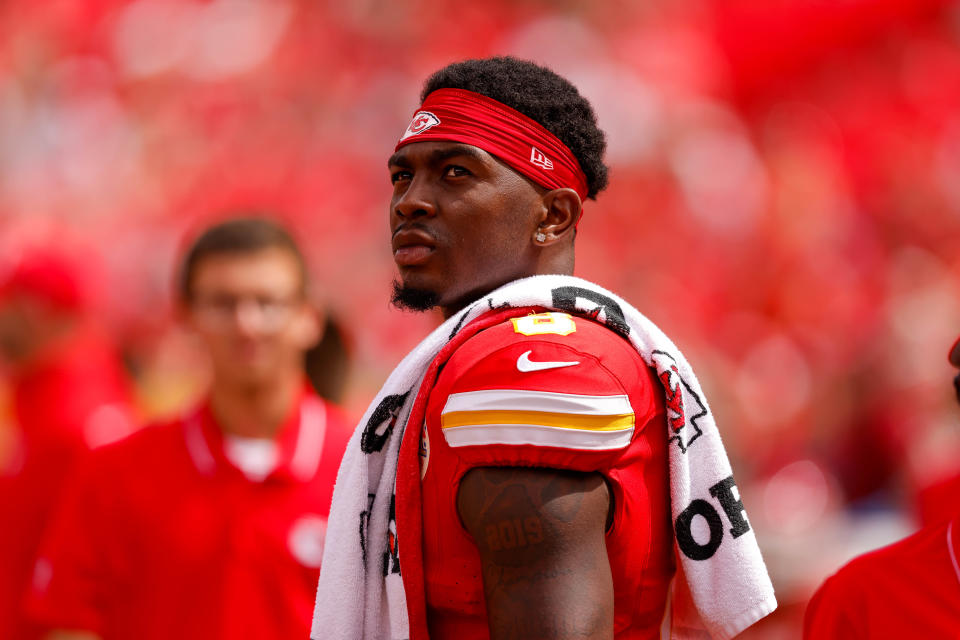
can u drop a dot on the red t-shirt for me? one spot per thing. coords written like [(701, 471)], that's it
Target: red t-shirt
[(74, 397), (547, 390), (161, 536), (939, 501), (910, 589)]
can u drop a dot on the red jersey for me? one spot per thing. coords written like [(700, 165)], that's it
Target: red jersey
[(161, 536), (71, 399), (939, 501), (910, 589), (554, 391)]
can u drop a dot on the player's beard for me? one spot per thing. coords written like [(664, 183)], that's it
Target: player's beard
[(405, 297)]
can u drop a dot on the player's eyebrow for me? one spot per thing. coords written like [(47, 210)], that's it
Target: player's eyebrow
[(398, 159)]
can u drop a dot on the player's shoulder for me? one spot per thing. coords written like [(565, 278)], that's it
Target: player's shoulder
[(142, 447), (552, 326), (548, 379), (336, 416), (872, 571), (571, 348), (916, 548)]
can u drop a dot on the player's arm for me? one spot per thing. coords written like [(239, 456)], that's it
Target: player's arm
[(540, 534), (62, 634)]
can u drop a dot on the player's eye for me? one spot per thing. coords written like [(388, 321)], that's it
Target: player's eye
[(456, 171), (397, 176)]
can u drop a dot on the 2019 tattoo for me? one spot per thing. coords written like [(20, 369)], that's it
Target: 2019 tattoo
[(540, 534), (510, 534)]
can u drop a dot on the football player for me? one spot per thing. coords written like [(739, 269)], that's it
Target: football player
[(542, 503)]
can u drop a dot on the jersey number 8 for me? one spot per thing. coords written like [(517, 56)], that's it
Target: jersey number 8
[(553, 322)]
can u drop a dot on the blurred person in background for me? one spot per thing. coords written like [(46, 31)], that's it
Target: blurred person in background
[(910, 589), (211, 525), (68, 394), (511, 478)]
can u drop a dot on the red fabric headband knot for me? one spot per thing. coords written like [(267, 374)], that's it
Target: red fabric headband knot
[(457, 115)]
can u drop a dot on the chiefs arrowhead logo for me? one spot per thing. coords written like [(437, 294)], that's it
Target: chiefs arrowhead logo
[(422, 120)]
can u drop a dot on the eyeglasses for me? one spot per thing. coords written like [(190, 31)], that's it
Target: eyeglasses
[(264, 312)]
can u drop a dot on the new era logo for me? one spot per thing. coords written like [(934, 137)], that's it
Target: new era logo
[(422, 120), (538, 158)]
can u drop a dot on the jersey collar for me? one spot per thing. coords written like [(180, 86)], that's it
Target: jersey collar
[(953, 545), (300, 441)]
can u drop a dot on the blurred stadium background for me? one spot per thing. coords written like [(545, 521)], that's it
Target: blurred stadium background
[(785, 202)]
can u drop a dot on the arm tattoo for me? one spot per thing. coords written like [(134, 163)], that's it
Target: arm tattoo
[(540, 535), (511, 534)]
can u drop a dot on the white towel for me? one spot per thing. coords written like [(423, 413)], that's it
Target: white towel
[(722, 585)]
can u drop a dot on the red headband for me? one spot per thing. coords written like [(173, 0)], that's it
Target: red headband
[(456, 115)]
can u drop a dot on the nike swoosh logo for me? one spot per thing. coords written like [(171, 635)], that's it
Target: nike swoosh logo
[(525, 365)]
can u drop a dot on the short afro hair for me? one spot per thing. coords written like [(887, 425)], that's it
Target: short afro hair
[(539, 94)]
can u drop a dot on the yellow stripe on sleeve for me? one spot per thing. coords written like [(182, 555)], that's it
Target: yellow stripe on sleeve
[(618, 422)]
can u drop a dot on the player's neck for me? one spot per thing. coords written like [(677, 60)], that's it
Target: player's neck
[(255, 411), (560, 263)]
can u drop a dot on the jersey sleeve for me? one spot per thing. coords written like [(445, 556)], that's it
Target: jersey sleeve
[(545, 390), (67, 591)]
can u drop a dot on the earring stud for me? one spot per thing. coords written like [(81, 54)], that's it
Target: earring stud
[(541, 236)]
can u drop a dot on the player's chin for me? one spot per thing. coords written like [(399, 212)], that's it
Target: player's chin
[(261, 374), (413, 296), (256, 363)]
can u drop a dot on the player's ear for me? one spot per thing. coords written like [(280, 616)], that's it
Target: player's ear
[(561, 211)]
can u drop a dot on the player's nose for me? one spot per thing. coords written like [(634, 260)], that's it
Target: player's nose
[(416, 201)]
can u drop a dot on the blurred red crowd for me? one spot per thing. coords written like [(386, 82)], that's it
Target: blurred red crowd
[(784, 199)]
